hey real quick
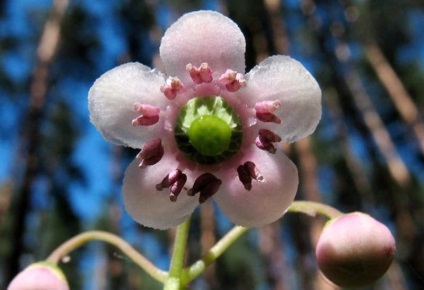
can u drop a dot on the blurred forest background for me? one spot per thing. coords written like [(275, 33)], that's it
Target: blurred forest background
[(59, 177)]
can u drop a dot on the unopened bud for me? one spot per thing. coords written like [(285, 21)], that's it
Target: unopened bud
[(354, 250), (40, 276)]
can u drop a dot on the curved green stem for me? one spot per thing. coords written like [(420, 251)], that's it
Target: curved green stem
[(174, 280), (307, 207), (198, 267), (133, 254), (178, 277), (312, 208)]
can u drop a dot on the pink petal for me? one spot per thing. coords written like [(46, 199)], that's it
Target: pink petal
[(267, 201), (39, 276), (149, 206), (203, 37), (283, 79), (112, 98)]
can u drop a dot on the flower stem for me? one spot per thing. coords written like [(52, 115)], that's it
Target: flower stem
[(174, 280), (198, 267), (307, 207), (312, 208), (133, 254), (177, 278)]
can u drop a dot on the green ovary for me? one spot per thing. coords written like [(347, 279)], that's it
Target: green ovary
[(208, 130), (210, 135)]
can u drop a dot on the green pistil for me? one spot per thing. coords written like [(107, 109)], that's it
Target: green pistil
[(209, 135), (208, 130)]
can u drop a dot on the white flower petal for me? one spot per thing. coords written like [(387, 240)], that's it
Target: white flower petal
[(267, 201), (111, 103), (203, 36), (286, 80), (147, 205)]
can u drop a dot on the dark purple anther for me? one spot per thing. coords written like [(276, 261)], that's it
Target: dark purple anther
[(265, 145), (253, 171), (210, 189), (151, 153), (244, 177), (207, 184), (175, 181), (268, 117), (269, 135), (266, 139), (176, 187), (247, 172)]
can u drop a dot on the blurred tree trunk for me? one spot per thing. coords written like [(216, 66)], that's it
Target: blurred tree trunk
[(207, 240), (309, 187), (366, 33), (356, 170), (272, 248), (114, 274), (395, 89), (30, 139), (381, 136), (6, 191)]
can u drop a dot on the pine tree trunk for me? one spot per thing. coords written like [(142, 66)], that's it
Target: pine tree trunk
[(207, 240), (30, 139), (309, 188), (381, 136)]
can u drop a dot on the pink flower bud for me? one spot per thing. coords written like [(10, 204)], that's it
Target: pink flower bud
[(355, 250), (40, 276)]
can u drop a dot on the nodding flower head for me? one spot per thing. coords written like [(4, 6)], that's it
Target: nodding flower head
[(205, 128)]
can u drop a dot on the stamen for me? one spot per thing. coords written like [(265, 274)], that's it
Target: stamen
[(268, 117), (265, 139), (232, 80), (269, 135), (203, 74), (267, 106), (176, 187), (244, 177), (247, 172), (265, 111), (172, 87), (149, 115), (210, 190), (207, 184), (151, 153), (175, 181), (254, 171)]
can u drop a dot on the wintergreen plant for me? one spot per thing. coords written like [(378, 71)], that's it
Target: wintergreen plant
[(208, 130)]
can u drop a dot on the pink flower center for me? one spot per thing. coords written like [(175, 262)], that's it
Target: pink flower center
[(207, 130)]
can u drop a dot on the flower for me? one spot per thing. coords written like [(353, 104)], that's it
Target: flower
[(354, 250), (206, 127), (40, 276)]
